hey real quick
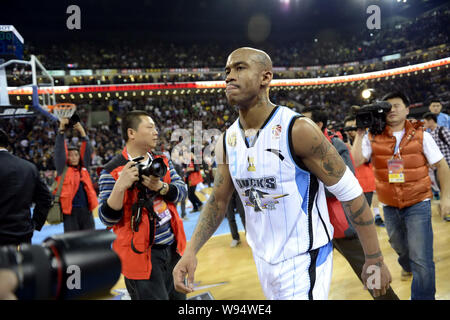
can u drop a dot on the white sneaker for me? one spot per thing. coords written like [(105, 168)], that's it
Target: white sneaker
[(235, 243)]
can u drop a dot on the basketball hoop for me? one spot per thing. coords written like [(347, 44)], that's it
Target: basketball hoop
[(63, 110)]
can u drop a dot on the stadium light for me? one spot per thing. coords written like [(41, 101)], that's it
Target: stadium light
[(367, 93)]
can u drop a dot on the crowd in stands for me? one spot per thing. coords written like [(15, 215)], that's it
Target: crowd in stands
[(423, 32), (413, 39), (33, 138)]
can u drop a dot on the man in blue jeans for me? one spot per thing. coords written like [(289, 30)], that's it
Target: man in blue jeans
[(400, 155)]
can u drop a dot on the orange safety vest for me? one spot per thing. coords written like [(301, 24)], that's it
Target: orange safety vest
[(417, 185), (139, 266)]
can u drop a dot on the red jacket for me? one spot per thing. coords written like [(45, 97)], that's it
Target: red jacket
[(72, 182), (195, 177), (70, 187), (139, 266)]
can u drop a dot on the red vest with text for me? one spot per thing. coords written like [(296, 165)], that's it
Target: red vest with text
[(139, 266)]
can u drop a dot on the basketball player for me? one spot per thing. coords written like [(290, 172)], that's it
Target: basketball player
[(279, 162)]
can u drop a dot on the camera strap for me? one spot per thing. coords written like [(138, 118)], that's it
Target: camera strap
[(136, 218)]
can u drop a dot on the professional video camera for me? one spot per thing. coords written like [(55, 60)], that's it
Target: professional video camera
[(373, 116), (47, 271)]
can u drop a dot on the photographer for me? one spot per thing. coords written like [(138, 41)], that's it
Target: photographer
[(400, 154), (78, 197), (151, 243), (345, 238), (20, 186)]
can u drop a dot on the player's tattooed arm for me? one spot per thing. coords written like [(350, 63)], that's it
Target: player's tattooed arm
[(323, 160), (316, 152), (355, 210), (216, 206)]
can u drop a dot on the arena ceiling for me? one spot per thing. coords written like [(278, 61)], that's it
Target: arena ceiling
[(200, 20)]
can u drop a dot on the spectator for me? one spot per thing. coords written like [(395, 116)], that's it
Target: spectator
[(443, 119), (78, 197)]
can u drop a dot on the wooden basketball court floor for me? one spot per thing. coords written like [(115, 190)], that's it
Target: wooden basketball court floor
[(230, 273)]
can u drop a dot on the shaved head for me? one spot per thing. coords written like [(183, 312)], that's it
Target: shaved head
[(256, 55), (248, 76)]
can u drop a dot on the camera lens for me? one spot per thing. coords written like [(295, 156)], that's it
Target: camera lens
[(45, 272)]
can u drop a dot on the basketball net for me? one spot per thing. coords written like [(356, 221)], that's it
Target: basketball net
[(63, 110)]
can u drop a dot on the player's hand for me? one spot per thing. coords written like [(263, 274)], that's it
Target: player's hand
[(8, 284), (376, 277), (185, 267), (128, 175), (445, 207), (152, 183)]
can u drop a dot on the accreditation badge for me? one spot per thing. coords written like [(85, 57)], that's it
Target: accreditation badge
[(162, 210), (395, 170)]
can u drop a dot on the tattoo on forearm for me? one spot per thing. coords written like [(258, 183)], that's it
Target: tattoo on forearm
[(373, 256), (210, 218), (355, 214)]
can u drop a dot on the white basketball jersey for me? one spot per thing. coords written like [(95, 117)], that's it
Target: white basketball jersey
[(285, 206)]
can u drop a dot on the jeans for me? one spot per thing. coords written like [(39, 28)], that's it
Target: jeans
[(411, 236)]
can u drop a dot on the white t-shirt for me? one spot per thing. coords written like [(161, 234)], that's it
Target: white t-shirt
[(430, 148)]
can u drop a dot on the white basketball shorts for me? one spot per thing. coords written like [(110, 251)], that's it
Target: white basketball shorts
[(303, 277)]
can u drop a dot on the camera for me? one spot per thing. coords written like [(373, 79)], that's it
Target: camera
[(72, 121), (373, 116), (156, 168), (49, 271), (346, 129)]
